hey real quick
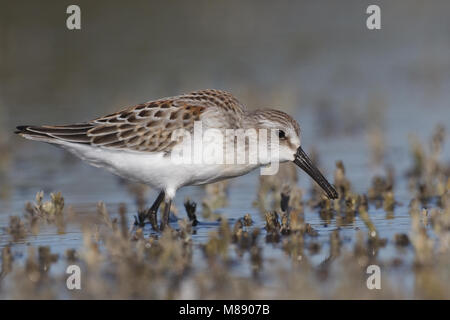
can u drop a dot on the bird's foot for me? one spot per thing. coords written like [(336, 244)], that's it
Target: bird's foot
[(139, 220), (190, 210), (143, 215)]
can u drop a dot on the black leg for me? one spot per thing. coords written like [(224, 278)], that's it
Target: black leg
[(157, 203), (165, 215), (152, 212)]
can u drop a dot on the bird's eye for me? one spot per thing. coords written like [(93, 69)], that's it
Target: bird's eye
[(281, 134)]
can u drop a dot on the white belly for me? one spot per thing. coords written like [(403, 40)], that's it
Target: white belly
[(154, 169)]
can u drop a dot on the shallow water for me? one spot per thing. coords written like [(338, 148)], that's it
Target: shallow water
[(337, 80)]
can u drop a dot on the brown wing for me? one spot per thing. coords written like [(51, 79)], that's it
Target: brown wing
[(144, 127)]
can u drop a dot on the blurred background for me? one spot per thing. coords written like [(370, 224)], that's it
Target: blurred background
[(346, 85), (358, 94)]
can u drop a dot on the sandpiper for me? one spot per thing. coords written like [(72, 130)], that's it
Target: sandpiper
[(136, 143)]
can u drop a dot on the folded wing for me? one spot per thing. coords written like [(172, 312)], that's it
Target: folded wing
[(145, 127)]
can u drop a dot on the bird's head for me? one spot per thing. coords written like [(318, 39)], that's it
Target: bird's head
[(289, 144)]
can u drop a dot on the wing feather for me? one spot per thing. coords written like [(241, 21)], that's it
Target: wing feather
[(144, 127)]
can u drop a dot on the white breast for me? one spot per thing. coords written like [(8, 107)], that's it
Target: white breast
[(155, 169)]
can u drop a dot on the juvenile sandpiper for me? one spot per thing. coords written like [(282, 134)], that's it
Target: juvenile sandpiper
[(137, 142)]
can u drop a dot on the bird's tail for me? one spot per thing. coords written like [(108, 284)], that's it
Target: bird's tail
[(28, 133), (55, 134)]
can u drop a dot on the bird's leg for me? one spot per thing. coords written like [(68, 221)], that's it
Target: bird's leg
[(165, 215), (152, 212)]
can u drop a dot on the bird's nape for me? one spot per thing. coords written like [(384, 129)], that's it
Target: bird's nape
[(305, 163)]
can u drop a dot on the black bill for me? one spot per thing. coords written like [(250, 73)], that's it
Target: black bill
[(302, 160)]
